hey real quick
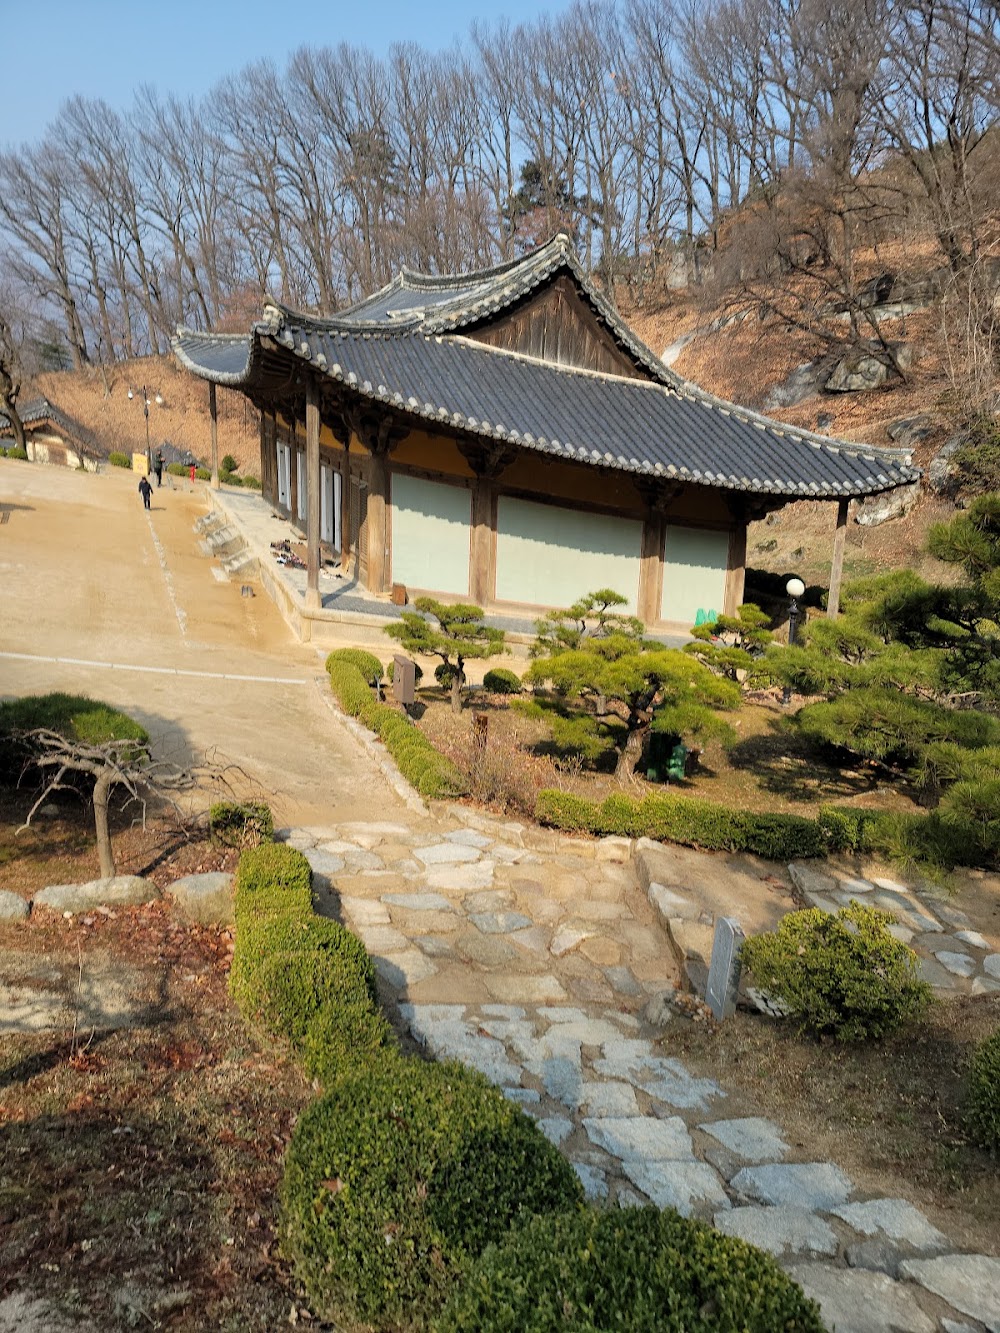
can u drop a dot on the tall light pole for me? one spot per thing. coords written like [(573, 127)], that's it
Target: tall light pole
[(795, 588), (145, 413)]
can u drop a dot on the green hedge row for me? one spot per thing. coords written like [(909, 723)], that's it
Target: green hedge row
[(420, 763), (13, 451), (685, 820), (924, 839), (118, 459), (303, 977)]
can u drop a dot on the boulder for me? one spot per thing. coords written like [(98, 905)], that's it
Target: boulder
[(941, 473), (910, 431), (12, 906), (204, 899), (117, 891), (804, 381), (891, 504)]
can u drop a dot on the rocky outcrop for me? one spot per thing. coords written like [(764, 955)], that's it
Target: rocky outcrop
[(941, 474), (893, 504), (908, 432), (866, 367)]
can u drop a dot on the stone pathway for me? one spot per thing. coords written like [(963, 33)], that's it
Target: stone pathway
[(533, 957)]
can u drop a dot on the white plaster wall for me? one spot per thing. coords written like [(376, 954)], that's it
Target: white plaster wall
[(550, 556), (694, 573), (431, 526)]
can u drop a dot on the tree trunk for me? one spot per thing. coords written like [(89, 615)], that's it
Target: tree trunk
[(631, 754), (102, 790), (457, 681)]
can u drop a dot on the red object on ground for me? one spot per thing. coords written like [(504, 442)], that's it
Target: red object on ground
[(192, 472)]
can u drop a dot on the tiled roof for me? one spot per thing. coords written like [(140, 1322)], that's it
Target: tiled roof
[(422, 367), (40, 409)]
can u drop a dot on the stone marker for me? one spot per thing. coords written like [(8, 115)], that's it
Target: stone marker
[(724, 969), (12, 906), (116, 891), (206, 899)]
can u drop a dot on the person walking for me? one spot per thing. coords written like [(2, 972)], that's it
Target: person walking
[(158, 467), (145, 490)]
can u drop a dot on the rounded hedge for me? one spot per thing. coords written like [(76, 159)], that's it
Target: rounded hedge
[(982, 1098), (287, 967), (367, 663), (843, 976), (635, 1269), (241, 823), (445, 673), (118, 459), (343, 1036), (500, 680), (399, 1176), (272, 878)]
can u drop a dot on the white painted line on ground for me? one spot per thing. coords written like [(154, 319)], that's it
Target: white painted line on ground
[(155, 671), (168, 578)]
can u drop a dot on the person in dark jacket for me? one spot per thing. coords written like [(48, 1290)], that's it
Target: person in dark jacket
[(158, 467), (145, 490)]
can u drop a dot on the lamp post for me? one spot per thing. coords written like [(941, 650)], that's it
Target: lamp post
[(145, 413), (795, 588)]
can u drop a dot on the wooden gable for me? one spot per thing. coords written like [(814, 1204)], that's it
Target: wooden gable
[(556, 324)]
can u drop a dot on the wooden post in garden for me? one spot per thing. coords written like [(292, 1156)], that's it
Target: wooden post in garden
[(837, 568), (214, 414), (313, 599)]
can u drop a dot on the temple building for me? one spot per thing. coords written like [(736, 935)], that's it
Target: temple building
[(502, 437)]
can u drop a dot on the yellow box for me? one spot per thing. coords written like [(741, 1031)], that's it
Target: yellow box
[(140, 465)]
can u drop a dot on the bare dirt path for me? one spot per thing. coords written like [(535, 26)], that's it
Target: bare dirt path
[(88, 575)]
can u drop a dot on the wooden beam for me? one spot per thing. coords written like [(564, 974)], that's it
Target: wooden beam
[(837, 568), (482, 574), (313, 599), (651, 569), (378, 511), (213, 413)]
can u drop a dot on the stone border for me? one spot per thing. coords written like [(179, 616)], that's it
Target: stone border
[(375, 750)]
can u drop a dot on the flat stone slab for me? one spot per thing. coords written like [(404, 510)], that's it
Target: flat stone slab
[(752, 1138), (568, 938), (12, 906), (468, 837), (499, 923), (609, 1100), (972, 937), (420, 902), (556, 1128), (461, 878), (326, 863), (205, 899), (445, 853), (856, 1300), (991, 966), (593, 1180), (969, 1282), (117, 891), (810, 881), (895, 1218), (365, 911), (404, 969), (816, 1186), (532, 990), (961, 964), (563, 1081), (780, 1231), (674, 906), (383, 939), (686, 1186), (641, 1138)]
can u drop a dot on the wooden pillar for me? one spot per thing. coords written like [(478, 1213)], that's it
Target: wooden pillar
[(213, 413), (293, 473), (378, 511), (482, 564), (651, 570), (345, 506), (313, 599), (837, 568), (737, 573)]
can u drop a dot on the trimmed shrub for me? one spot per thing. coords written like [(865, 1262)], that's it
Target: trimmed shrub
[(14, 452), (340, 1038), (178, 469), (270, 880), (202, 474), (843, 976), (3, 452), (229, 478), (367, 663), (500, 680), (251, 483), (982, 1098), (117, 459), (228, 464), (399, 1176), (444, 674), (639, 1270), (241, 823), (420, 763), (418, 671), (686, 820)]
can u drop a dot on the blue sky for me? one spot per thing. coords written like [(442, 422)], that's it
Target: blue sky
[(108, 48)]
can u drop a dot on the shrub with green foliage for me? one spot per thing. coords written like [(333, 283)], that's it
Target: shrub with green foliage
[(178, 469), (445, 675), (401, 1175), (843, 976), (638, 1270), (459, 636), (228, 464), (420, 763), (71, 715), (230, 479), (271, 880), (251, 483), (499, 680), (982, 1097), (202, 474), (367, 663), (14, 451), (117, 459), (241, 823), (686, 820)]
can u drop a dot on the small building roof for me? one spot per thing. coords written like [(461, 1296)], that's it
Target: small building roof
[(407, 349), (40, 411)]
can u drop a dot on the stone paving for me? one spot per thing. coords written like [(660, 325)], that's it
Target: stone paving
[(538, 960)]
